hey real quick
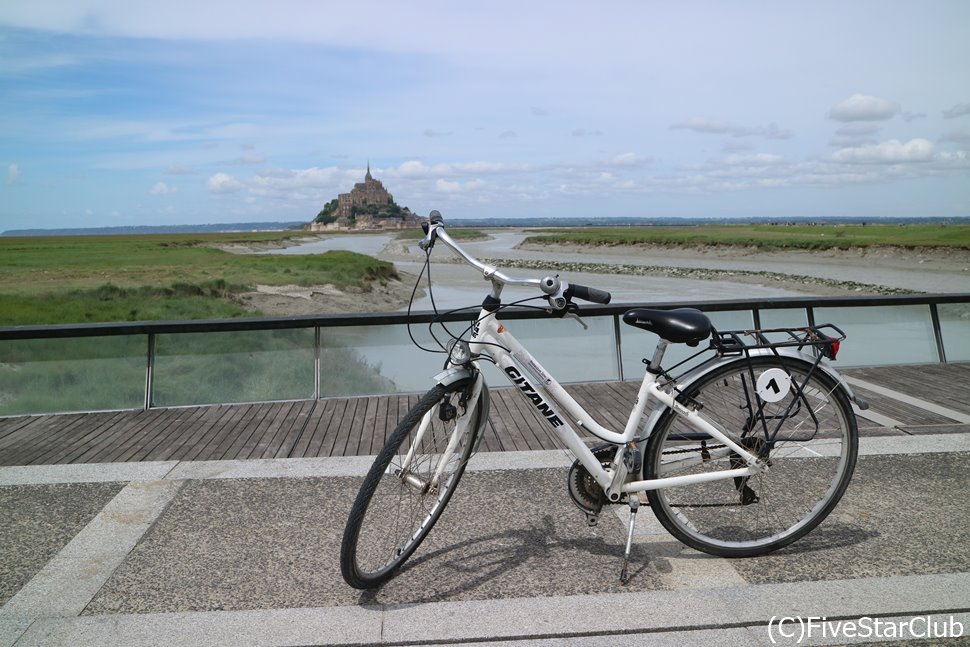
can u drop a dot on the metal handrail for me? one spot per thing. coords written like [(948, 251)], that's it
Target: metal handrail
[(54, 331), (319, 322)]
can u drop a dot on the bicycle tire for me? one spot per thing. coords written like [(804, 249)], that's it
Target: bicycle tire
[(810, 462), (393, 514)]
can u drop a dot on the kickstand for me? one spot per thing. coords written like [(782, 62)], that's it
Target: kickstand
[(634, 500)]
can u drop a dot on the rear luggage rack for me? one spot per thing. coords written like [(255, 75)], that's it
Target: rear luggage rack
[(742, 342)]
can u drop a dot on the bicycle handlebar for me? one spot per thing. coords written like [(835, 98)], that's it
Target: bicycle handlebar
[(559, 293)]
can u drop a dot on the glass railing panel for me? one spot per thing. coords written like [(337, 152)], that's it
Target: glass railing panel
[(784, 318), (565, 349), (245, 366), (639, 344), (883, 335), (77, 374), (366, 360), (955, 326), (370, 360)]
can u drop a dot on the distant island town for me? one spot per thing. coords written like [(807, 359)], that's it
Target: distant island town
[(367, 206)]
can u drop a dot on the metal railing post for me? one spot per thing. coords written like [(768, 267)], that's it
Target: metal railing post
[(316, 362), (150, 373), (938, 332), (618, 346)]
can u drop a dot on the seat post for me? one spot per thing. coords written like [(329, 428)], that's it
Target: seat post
[(658, 355)]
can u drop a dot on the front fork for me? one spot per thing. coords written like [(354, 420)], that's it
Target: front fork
[(464, 417)]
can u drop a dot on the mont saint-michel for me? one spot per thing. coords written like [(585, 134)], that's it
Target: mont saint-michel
[(368, 206)]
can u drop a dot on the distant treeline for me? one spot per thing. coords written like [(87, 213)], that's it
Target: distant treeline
[(495, 222), (561, 223), (218, 228)]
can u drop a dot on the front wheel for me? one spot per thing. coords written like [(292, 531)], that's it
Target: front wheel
[(411, 481), (807, 436)]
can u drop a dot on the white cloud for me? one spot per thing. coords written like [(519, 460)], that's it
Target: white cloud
[(957, 137), (224, 183), (957, 111), (179, 169), (753, 159), (891, 152), (708, 126), (630, 159), (508, 134), (13, 174), (161, 188), (854, 134), (538, 112), (249, 159), (862, 107), (446, 186)]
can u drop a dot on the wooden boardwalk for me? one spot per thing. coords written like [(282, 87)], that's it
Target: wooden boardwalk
[(937, 400)]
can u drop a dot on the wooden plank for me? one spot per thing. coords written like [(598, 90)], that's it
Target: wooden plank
[(316, 426), (277, 431), (535, 429), (378, 432), (291, 430), (160, 446), (117, 436), (506, 424), (222, 432), (252, 431), (129, 449), (234, 435), (941, 384), (348, 426), (190, 437), (91, 434), (52, 440), (344, 427), (35, 438), (10, 425)]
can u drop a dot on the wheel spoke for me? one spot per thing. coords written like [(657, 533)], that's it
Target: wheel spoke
[(808, 466), (393, 512)]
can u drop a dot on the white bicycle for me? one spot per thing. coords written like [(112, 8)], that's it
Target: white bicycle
[(742, 455)]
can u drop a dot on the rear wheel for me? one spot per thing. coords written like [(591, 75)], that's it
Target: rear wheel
[(410, 483), (807, 435)]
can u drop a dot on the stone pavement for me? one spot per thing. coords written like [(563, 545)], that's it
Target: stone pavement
[(239, 553)]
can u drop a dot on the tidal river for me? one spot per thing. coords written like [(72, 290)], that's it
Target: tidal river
[(574, 354)]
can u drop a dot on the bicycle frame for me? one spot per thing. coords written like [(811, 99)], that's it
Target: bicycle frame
[(491, 337)]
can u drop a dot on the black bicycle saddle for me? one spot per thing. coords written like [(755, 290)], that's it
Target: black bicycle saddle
[(680, 326)]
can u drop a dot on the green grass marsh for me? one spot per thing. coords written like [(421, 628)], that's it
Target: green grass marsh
[(81, 279), (765, 237)]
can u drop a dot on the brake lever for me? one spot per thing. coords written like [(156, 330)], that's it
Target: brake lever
[(569, 309), (573, 315)]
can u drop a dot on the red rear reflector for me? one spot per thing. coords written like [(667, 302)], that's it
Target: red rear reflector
[(834, 349)]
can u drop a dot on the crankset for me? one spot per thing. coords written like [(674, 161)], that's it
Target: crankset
[(586, 493)]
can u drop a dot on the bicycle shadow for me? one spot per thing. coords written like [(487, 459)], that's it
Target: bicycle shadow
[(469, 568), (485, 565)]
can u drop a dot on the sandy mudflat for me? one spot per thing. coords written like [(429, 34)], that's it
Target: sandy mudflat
[(683, 270), (297, 300)]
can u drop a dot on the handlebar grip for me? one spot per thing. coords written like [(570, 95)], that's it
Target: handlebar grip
[(587, 294)]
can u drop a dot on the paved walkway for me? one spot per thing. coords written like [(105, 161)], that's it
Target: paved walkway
[(244, 552)]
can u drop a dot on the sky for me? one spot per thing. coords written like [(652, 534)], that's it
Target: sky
[(120, 112)]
